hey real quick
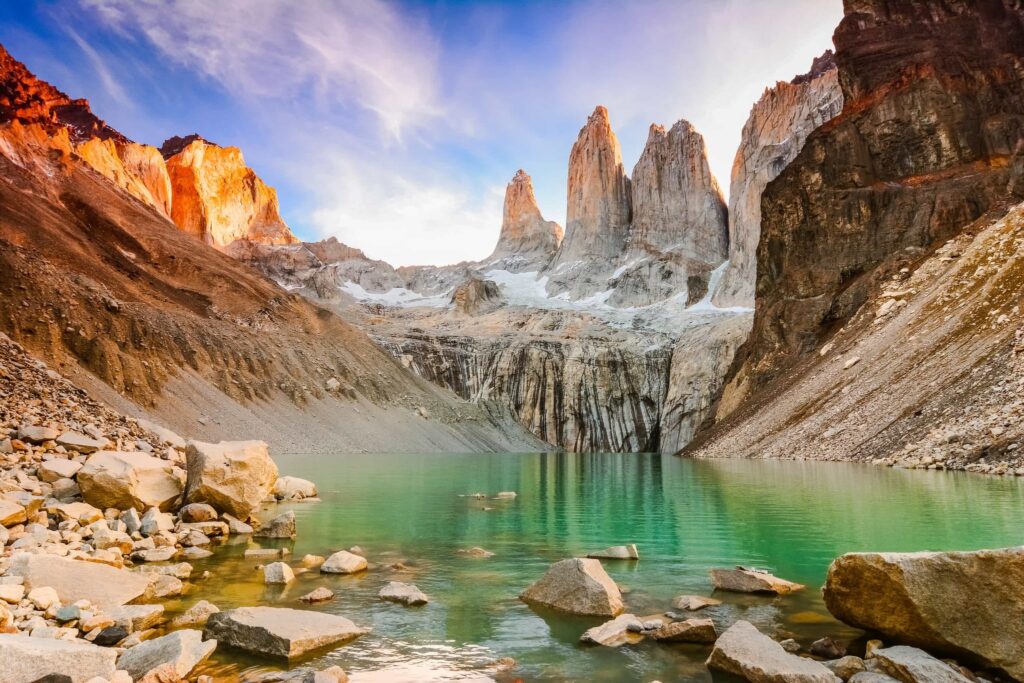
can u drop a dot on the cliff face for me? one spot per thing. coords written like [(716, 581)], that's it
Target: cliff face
[(933, 100), (526, 241), (219, 200), (773, 135), (137, 169)]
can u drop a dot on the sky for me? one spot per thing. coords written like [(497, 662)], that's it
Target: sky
[(395, 126)]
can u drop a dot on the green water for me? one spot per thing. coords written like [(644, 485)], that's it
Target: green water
[(685, 516)]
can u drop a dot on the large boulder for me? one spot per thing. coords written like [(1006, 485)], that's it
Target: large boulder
[(282, 526), (24, 659), (104, 586), (113, 479), (232, 476), (343, 562), (279, 631), (910, 665), (173, 656), (960, 603), (578, 586), (743, 580), (746, 652)]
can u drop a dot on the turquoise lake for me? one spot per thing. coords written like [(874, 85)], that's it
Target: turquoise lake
[(685, 516)]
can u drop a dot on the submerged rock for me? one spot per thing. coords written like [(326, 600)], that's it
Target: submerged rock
[(746, 652), (577, 586), (617, 552), (921, 599), (404, 593), (476, 552), (343, 562), (743, 580), (320, 594), (623, 629), (279, 631)]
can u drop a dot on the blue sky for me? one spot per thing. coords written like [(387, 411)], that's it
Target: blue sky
[(396, 125)]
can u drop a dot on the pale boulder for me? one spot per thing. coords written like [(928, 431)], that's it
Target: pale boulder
[(113, 479), (177, 654), (688, 631), (617, 552), (232, 476), (403, 593), (343, 562), (279, 631), (26, 659), (104, 586), (922, 599), (742, 580), (282, 526), (622, 630), (293, 488), (278, 573), (55, 469), (576, 586), (11, 513), (911, 665), (196, 615), (746, 652)]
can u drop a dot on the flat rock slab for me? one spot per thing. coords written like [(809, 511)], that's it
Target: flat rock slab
[(916, 666), (617, 552), (746, 652), (104, 586), (576, 586), (692, 603), (944, 602), (688, 631), (177, 653), (279, 631), (24, 659), (741, 580), (624, 629), (137, 617)]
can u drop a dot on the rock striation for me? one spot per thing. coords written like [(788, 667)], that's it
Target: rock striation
[(526, 241), (773, 135)]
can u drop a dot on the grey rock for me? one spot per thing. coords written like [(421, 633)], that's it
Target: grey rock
[(746, 652), (282, 526), (278, 573), (179, 653), (403, 593), (134, 618), (910, 665), (104, 586), (577, 586), (687, 631), (743, 580), (280, 632), (196, 615), (26, 659)]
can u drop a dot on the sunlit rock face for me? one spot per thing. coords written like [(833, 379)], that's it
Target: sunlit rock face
[(527, 241), (598, 211), (219, 200), (139, 170), (773, 135), (924, 146)]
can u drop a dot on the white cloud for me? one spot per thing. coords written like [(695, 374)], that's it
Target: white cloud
[(110, 84), (361, 55)]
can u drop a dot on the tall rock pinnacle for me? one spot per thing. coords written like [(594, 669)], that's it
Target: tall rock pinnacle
[(677, 203), (527, 241), (598, 213)]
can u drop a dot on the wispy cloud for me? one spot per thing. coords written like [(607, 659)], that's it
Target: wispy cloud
[(110, 84)]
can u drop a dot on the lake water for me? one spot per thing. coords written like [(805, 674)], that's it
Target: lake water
[(685, 516)]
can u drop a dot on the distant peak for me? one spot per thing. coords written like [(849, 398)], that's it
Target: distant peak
[(521, 176), (821, 65), (174, 145), (600, 114)]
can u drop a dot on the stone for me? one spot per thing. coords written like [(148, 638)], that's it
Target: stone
[(112, 479), (132, 521), (827, 648), (26, 659), (181, 570), (746, 652), (68, 613), (110, 636), (476, 552), (282, 526), (577, 586), (134, 618), (692, 603), (622, 630), (75, 441), (232, 476), (96, 622), (56, 468), (872, 677), (163, 586), (178, 652), (910, 665), (279, 631), (196, 553), (320, 594), (11, 513), (12, 593), (197, 512), (165, 435), (37, 434), (742, 580), (265, 553), (920, 599), (155, 555), (312, 561), (154, 521), (293, 488), (196, 615), (404, 593), (343, 562), (687, 631), (236, 527), (83, 513), (846, 667), (617, 552), (43, 597), (278, 573), (104, 586)]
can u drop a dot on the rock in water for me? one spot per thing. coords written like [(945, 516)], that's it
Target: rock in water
[(404, 593), (343, 562), (922, 599), (196, 615), (577, 586), (112, 479), (746, 652), (692, 603), (177, 653), (232, 476), (320, 594), (623, 629), (282, 526), (105, 587), (914, 666), (688, 631), (741, 580), (617, 552), (278, 573), (24, 659), (293, 488), (279, 631)]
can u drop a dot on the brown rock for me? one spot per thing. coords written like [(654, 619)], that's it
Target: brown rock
[(577, 586), (526, 241), (688, 631), (741, 580)]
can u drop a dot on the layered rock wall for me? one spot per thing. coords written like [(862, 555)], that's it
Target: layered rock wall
[(139, 170)]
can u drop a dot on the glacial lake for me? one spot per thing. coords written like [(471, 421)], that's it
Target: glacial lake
[(685, 516)]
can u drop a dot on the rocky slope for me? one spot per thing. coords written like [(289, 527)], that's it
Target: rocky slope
[(924, 150), (107, 289), (773, 135)]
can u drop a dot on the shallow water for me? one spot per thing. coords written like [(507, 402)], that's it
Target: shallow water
[(686, 517)]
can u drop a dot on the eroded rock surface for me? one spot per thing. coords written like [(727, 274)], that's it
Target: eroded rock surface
[(577, 586), (279, 631)]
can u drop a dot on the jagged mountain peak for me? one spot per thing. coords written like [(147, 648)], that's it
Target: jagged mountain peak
[(526, 240), (175, 144)]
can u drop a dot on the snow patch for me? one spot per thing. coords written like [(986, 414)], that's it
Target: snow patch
[(396, 296)]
